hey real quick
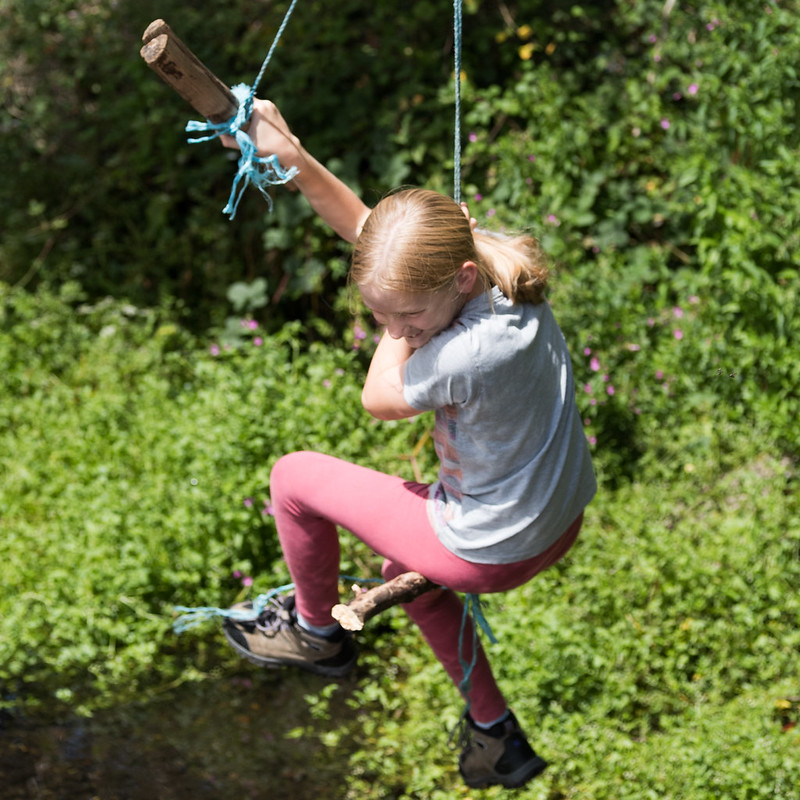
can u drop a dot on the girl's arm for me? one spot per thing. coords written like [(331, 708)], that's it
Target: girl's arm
[(333, 200), (382, 395)]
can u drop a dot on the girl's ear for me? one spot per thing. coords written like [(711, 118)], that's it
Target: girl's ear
[(466, 277)]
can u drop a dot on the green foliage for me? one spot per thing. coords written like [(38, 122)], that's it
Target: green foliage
[(135, 466), (135, 477), (651, 146), (67, 122)]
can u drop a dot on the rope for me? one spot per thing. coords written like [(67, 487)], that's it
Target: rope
[(263, 172), (472, 607), (192, 617), (253, 169), (457, 4)]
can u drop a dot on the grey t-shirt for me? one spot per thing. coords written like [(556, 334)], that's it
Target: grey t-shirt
[(515, 469)]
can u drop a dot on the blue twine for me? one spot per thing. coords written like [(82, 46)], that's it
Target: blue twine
[(192, 617), (457, 136), (256, 170), (472, 607)]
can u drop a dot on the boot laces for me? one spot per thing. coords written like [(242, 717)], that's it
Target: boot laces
[(277, 615)]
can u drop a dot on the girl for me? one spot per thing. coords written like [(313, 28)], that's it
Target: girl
[(468, 335)]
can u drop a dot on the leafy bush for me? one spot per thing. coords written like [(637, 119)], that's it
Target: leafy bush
[(65, 117), (136, 473), (651, 146), (136, 463)]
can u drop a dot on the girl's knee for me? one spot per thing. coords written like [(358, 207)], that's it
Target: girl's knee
[(285, 469)]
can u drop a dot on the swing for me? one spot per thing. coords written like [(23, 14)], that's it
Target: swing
[(228, 111)]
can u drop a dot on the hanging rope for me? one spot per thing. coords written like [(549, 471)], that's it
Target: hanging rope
[(457, 137), (253, 169)]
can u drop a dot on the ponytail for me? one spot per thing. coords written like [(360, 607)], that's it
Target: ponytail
[(515, 264)]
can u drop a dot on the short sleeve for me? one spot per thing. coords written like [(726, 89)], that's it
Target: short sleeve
[(439, 374)]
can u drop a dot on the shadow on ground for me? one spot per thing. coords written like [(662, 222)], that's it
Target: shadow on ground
[(233, 737)]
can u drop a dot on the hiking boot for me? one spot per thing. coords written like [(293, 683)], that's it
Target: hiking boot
[(500, 755), (276, 639)]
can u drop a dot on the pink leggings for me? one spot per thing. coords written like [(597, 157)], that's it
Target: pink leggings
[(313, 493)]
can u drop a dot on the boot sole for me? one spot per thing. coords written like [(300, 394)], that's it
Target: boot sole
[(513, 781), (308, 666)]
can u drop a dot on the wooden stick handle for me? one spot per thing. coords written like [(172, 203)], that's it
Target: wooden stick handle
[(181, 69), (402, 589)]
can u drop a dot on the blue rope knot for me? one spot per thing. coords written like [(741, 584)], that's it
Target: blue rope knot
[(259, 171), (253, 169)]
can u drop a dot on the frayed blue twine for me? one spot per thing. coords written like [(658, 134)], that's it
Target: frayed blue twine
[(473, 607), (192, 617), (253, 169)]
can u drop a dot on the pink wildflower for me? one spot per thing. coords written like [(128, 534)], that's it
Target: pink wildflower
[(594, 364)]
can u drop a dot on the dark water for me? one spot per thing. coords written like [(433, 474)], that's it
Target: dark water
[(249, 736)]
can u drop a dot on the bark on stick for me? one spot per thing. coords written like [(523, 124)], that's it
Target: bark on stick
[(181, 69), (402, 589)]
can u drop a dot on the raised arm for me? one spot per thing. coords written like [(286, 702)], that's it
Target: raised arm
[(332, 199)]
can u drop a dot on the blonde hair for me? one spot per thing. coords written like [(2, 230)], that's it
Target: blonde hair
[(416, 240)]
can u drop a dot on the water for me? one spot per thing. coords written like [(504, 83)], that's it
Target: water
[(250, 736)]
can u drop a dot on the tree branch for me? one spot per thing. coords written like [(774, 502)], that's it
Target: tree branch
[(402, 589)]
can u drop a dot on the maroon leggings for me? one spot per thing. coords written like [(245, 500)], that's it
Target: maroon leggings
[(313, 493)]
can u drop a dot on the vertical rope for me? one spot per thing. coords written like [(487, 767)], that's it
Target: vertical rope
[(275, 41), (457, 5)]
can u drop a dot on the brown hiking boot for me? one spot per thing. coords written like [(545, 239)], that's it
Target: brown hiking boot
[(500, 755), (275, 639)]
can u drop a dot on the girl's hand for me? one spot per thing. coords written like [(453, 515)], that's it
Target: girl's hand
[(333, 200), (271, 135), (473, 223)]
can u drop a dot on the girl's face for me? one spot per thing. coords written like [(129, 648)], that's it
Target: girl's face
[(417, 318)]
